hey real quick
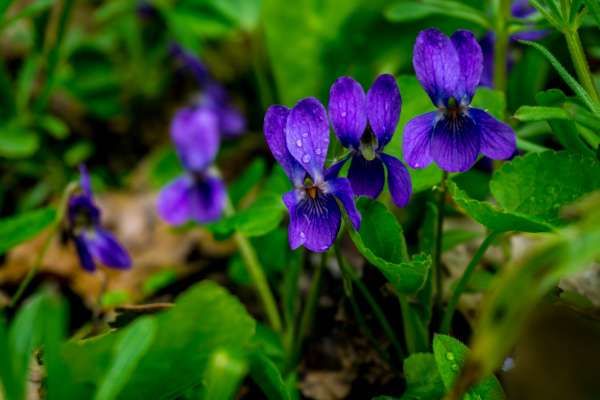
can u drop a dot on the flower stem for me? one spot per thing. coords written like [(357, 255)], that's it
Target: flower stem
[(257, 273), (62, 208), (436, 272), (464, 280), (580, 62), (501, 44), (377, 311), (308, 313)]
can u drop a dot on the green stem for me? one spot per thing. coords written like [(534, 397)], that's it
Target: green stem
[(257, 273), (377, 311), (308, 313), (580, 62), (364, 327), (62, 208), (464, 280), (501, 45), (436, 272)]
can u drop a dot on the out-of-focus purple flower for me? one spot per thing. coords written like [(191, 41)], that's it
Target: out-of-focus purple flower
[(214, 97), (519, 9), (93, 243), (199, 194), (145, 10), (299, 140), (350, 110), (449, 70)]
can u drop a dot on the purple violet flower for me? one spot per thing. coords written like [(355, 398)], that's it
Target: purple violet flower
[(93, 243), (519, 9), (349, 111), (214, 97), (199, 194), (299, 140), (449, 70)]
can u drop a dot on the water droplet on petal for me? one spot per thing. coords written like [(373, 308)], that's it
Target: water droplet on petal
[(318, 150), (343, 113), (299, 143), (302, 235), (306, 158), (305, 134)]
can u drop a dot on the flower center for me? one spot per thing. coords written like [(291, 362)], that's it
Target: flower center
[(312, 192), (454, 110), (368, 145)]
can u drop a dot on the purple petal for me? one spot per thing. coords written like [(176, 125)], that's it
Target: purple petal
[(347, 110), (531, 35), (85, 258), (498, 140), (188, 199), (195, 133), (81, 205), (307, 135), (103, 246), (340, 188), (399, 181), (366, 177), (436, 64), (231, 122), (416, 140), (521, 9), (455, 144), (334, 170), (470, 59), (84, 180), (383, 108), (190, 62), (274, 129), (314, 223)]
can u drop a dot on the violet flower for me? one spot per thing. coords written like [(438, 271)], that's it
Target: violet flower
[(199, 194), (453, 136), (299, 140), (349, 110), (93, 242), (519, 9), (214, 97)]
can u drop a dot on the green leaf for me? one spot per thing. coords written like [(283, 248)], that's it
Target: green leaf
[(539, 184), (17, 142), (54, 126), (566, 131), (540, 113), (223, 375), (204, 319), (25, 226), (163, 167), (132, 344), (261, 217), (423, 380), (406, 11), (450, 356), (39, 321), (492, 101), (494, 217), (569, 80), (268, 377), (381, 241), (247, 180)]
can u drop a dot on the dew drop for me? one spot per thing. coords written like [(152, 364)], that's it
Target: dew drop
[(302, 235), (305, 158), (343, 113), (450, 356), (299, 143), (454, 367), (318, 150), (305, 134)]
